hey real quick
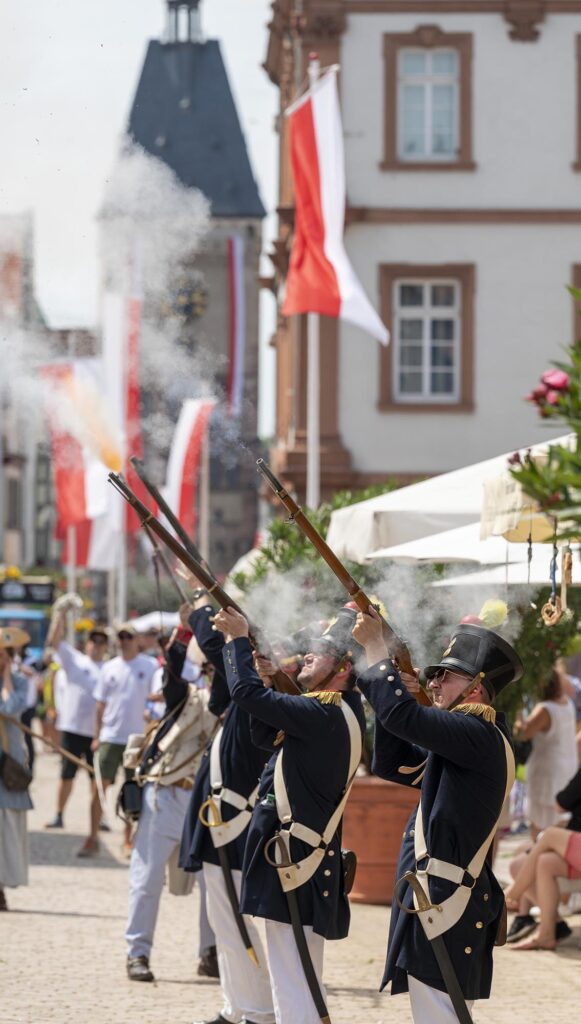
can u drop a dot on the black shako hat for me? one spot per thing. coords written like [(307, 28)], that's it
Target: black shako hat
[(337, 639), (478, 651)]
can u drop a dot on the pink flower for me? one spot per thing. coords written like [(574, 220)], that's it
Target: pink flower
[(515, 459), (539, 392), (557, 380), (553, 397)]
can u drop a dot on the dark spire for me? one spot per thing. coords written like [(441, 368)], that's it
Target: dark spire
[(184, 114)]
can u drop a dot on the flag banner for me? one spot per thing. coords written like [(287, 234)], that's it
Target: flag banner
[(185, 458), (237, 325), (320, 277), (84, 449)]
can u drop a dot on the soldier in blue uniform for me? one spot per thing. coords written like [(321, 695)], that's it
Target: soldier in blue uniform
[(230, 777), (294, 836), (458, 753)]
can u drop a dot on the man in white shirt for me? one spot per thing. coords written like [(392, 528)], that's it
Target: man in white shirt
[(121, 694), (78, 675)]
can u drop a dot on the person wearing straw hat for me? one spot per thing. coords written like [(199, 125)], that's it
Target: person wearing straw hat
[(14, 802), (449, 909)]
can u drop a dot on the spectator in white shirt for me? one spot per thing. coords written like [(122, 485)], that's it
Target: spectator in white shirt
[(78, 675), (121, 694)]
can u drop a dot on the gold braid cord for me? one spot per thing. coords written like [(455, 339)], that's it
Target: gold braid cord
[(326, 697), (484, 711)]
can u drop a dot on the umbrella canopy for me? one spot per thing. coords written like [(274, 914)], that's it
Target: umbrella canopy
[(155, 620), (441, 503), (460, 545), (512, 573)]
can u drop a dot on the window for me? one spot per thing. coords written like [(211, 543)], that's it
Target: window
[(428, 102), (426, 340), (429, 364)]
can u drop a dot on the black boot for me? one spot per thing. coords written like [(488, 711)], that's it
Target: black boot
[(208, 964), (138, 969), (219, 1019)]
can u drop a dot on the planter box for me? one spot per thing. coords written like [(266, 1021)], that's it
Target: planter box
[(373, 824)]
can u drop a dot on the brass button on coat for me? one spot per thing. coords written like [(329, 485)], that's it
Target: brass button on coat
[(479, 924), (486, 896), (468, 949)]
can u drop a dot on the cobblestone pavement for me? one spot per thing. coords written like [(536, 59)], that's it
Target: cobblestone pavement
[(62, 956)]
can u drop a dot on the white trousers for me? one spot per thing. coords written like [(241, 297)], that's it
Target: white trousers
[(430, 1006), (158, 835), (293, 1001), (245, 987)]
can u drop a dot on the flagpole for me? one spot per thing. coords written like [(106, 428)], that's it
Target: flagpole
[(313, 494)]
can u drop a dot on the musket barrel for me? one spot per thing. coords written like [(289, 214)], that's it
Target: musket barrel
[(165, 509), (148, 521)]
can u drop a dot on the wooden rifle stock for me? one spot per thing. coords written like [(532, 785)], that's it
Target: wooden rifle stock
[(281, 682), (397, 648)]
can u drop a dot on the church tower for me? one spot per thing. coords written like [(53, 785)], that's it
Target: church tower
[(183, 114)]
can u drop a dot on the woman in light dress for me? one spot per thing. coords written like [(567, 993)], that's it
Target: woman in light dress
[(13, 805), (551, 727)]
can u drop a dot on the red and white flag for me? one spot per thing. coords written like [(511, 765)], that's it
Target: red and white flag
[(85, 448), (321, 278), (237, 325), (185, 459)]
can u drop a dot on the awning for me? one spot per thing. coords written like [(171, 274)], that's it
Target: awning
[(460, 545), (441, 503)]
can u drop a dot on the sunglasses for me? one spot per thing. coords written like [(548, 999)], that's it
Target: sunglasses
[(440, 675)]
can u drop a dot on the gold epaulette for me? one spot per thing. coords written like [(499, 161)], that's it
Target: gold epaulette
[(484, 711), (326, 696)]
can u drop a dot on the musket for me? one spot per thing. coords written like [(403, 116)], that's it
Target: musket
[(160, 557), (167, 511), (281, 682), (397, 648)]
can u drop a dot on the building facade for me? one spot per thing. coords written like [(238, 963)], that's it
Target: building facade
[(462, 127)]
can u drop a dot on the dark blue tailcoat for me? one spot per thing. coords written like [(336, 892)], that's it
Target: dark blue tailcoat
[(241, 761), (462, 793), (316, 763)]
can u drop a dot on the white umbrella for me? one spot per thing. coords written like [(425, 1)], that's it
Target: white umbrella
[(460, 545), (512, 573), (154, 620), (441, 503)]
